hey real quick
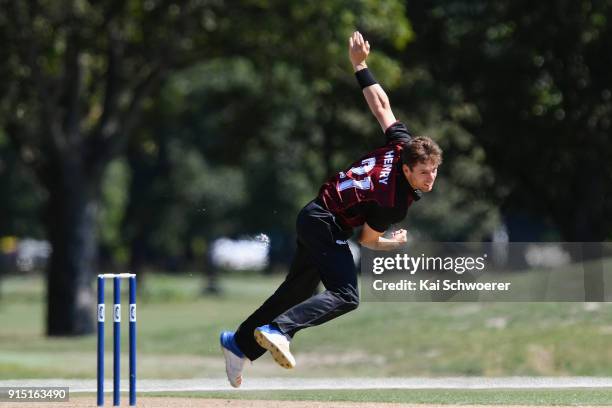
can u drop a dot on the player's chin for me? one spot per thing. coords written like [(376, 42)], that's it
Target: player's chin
[(426, 188)]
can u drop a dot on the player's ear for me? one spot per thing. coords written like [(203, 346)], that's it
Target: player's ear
[(406, 170)]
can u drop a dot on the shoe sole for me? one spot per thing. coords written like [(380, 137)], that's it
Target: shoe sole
[(238, 379), (280, 356)]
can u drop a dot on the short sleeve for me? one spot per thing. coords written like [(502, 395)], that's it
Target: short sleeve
[(379, 218), (397, 133)]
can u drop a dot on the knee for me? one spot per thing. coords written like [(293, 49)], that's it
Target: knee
[(350, 299), (353, 304)]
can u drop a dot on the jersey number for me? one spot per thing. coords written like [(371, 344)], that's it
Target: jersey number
[(364, 183)]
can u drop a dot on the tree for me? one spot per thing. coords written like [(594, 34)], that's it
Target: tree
[(75, 76), (536, 82), (278, 107)]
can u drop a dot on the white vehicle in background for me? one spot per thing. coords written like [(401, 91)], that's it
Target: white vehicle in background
[(241, 254), (32, 254), (252, 253)]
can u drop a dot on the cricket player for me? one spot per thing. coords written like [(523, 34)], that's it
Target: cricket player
[(374, 192)]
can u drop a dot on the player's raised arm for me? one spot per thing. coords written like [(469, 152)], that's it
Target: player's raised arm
[(377, 99)]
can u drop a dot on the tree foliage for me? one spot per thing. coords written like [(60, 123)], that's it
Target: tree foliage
[(535, 84)]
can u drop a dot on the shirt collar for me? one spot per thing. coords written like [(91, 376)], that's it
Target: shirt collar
[(416, 193)]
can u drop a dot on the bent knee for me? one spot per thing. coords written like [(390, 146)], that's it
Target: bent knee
[(350, 298), (353, 304)]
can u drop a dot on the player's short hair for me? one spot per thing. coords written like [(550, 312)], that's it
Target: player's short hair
[(421, 149)]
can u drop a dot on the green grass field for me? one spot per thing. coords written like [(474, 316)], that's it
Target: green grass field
[(462, 397), (178, 331)]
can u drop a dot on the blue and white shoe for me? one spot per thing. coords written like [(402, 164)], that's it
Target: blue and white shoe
[(234, 358), (276, 343)]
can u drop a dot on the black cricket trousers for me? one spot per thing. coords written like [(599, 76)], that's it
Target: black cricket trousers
[(322, 255)]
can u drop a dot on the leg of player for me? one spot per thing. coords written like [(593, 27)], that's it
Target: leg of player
[(326, 245), (300, 284)]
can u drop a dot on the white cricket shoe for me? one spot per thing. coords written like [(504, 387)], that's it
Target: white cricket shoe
[(276, 343), (234, 358)]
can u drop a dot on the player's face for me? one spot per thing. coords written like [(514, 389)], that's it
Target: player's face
[(422, 176)]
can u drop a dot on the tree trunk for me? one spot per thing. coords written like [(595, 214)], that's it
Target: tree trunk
[(71, 228)]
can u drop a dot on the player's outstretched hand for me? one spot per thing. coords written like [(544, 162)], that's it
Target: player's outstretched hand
[(359, 49), (399, 235)]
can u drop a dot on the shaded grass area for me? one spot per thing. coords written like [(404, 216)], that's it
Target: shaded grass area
[(483, 397), (178, 331)]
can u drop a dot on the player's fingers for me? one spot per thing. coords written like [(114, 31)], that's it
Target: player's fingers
[(351, 42), (361, 38), (367, 44)]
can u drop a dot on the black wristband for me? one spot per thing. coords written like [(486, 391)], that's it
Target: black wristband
[(365, 78)]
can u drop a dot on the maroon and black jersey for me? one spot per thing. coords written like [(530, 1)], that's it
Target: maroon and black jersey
[(373, 189)]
